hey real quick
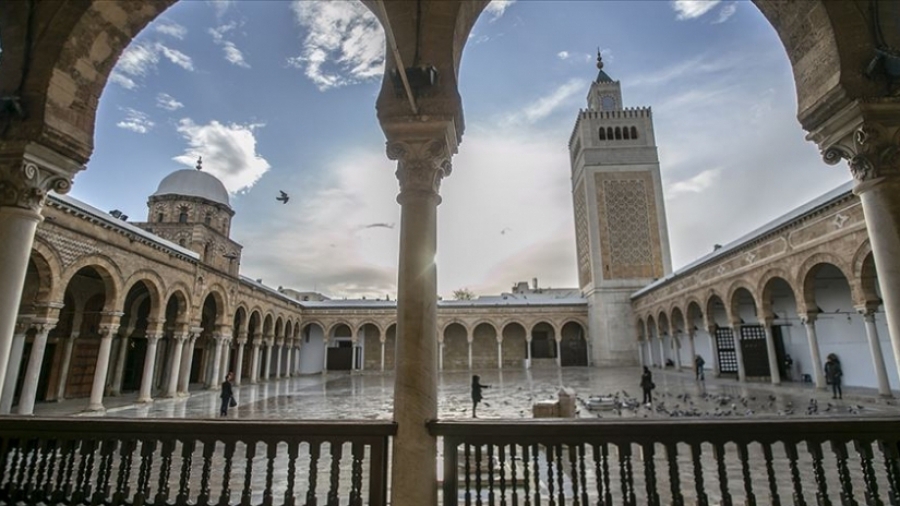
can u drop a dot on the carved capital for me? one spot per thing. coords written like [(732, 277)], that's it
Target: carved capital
[(421, 165), (153, 337), (808, 318), (872, 150), (108, 330), (27, 176)]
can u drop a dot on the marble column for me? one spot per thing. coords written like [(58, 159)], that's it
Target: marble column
[(289, 368), (33, 371), (866, 133), (884, 385), (225, 368), (440, 356), (736, 335), (528, 351), (382, 355), (267, 371), (15, 363), (714, 347), (146, 391), (771, 353), (423, 160), (815, 358), (558, 342), (27, 174), (325, 357), (469, 347), (115, 387), (662, 351), (106, 331), (178, 340), (219, 339), (187, 359), (65, 366), (692, 349), (239, 362), (254, 362), (641, 353), (676, 350), (499, 352), (279, 349)]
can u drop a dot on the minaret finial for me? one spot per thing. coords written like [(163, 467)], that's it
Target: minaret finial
[(599, 60), (199, 163)]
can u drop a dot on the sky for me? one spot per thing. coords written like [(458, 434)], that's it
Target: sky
[(280, 95)]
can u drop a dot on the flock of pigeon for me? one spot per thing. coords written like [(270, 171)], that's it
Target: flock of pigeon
[(705, 405)]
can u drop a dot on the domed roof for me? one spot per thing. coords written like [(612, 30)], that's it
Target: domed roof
[(194, 183)]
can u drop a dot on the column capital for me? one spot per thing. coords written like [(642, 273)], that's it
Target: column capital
[(181, 336), (241, 341), (29, 173), (867, 310), (153, 337), (422, 163), (279, 341), (809, 318), (107, 330), (45, 325)]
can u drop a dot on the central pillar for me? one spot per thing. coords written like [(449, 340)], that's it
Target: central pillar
[(216, 361), (421, 165), (267, 371), (187, 359), (33, 372), (254, 362)]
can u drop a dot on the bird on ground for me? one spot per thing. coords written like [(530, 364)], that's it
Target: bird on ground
[(283, 197)]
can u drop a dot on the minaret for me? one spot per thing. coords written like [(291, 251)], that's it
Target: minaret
[(620, 219)]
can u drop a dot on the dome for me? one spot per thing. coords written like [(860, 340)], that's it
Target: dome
[(194, 183)]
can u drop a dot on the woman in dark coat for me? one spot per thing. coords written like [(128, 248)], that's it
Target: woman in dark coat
[(226, 395), (647, 385), (476, 393), (833, 375)]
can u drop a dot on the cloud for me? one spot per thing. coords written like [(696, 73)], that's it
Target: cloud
[(726, 12), (167, 102), (140, 59), (681, 71), (175, 56), (344, 43), (136, 121), (548, 104), (692, 9), (229, 152), (563, 55), (220, 6), (171, 29), (696, 184), (122, 80), (497, 8), (234, 55)]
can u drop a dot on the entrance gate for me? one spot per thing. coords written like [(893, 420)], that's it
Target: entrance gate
[(573, 351), (726, 352), (753, 346)]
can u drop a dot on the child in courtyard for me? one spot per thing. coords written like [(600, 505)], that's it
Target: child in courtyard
[(476, 393), (833, 375)]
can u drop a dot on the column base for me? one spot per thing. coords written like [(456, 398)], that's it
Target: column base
[(145, 400), (184, 395), (886, 396), (95, 408)]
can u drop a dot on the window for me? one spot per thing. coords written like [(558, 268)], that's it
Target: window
[(609, 133), (625, 133), (602, 134), (618, 134), (183, 216), (159, 218), (634, 134), (208, 219), (181, 242)]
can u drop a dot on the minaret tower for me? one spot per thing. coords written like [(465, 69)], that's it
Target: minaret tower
[(620, 219)]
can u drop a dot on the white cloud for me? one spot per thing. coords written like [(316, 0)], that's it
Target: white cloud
[(232, 53), (692, 9), (696, 184), (220, 6), (692, 67), (229, 152), (167, 102), (171, 29), (344, 43), (726, 12), (497, 7), (563, 55), (122, 80), (140, 59), (548, 104), (175, 56), (136, 121)]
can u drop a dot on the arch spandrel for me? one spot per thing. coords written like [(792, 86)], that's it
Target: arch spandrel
[(156, 286), (109, 272), (47, 263), (731, 302)]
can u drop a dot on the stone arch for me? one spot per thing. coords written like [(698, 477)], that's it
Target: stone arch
[(184, 289), (451, 322), (731, 302), (807, 271), (641, 328), (764, 287), (109, 272), (155, 286), (268, 325), (573, 344), (242, 306), (662, 324), (484, 344), (219, 293), (692, 306), (47, 263), (677, 315), (334, 325), (865, 274), (369, 321), (279, 327), (713, 299), (456, 346)]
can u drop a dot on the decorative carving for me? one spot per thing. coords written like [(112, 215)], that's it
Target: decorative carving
[(839, 220), (25, 184), (627, 216), (69, 250), (582, 239), (421, 165), (870, 152)]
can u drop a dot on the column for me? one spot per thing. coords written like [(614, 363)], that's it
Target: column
[(254, 361), (219, 339), (440, 356), (64, 367), (382, 355), (676, 350), (423, 160), (528, 350), (280, 345), (26, 176), (239, 363), (225, 366), (325, 357), (289, 367), (558, 342), (815, 358), (692, 349), (115, 387), (267, 373), (146, 391), (736, 335), (641, 353), (15, 362), (775, 375), (175, 363), (884, 385), (33, 372), (187, 358), (662, 351), (499, 352), (469, 347), (866, 133), (714, 346), (106, 331)]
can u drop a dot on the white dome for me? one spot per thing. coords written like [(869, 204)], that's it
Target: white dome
[(194, 183)]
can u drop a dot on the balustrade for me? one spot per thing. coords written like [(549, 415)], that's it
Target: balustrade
[(677, 462), (165, 462)]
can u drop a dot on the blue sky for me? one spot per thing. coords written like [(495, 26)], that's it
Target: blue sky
[(279, 95)]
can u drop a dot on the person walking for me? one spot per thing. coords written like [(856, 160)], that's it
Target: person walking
[(647, 385), (476, 393), (698, 367), (227, 395), (833, 375), (788, 367)]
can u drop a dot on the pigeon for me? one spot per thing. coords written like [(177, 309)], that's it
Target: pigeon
[(283, 197)]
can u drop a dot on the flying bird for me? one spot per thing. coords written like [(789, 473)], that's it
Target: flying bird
[(283, 197), (379, 225)]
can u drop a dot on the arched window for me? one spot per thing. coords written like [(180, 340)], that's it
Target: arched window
[(183, 215), (159, 218), (618, 134), (208, 219), (602, 134), (609, 133), (206, 252), (634, 134), (625, 133), (181, 242)]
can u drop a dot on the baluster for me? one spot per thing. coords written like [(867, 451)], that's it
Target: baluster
[(535, 454), (791, 450), (209, 446), (22, 462), (67, 489), (293, 450), (573, 465), (107, 448), (468, 450), (551, 499), (478, 475), (719, 455), (889, 452), (501, 456), (650, 473), (598, 472), (38, 488), (314, 449), (165, 471), (31, 456), (123, 480), (864, 449), (604, 465), (674, 477), (490, 470), (85, 469), (626, 474), (514, 468), (4, 457), (184, 480), (249, 454), (336, 453), (815, 449), (14, 450), (225, 496), (840, 451), (526, 474), (774, 498), (583, 475), (745, 473), (559, 474), (142, 494), (357, 453), (699, 488), (53, 458)]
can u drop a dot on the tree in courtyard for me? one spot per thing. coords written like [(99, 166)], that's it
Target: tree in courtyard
[(463, 294)]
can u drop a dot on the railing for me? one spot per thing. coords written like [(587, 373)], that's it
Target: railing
[(674, 462), (163, 462)]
